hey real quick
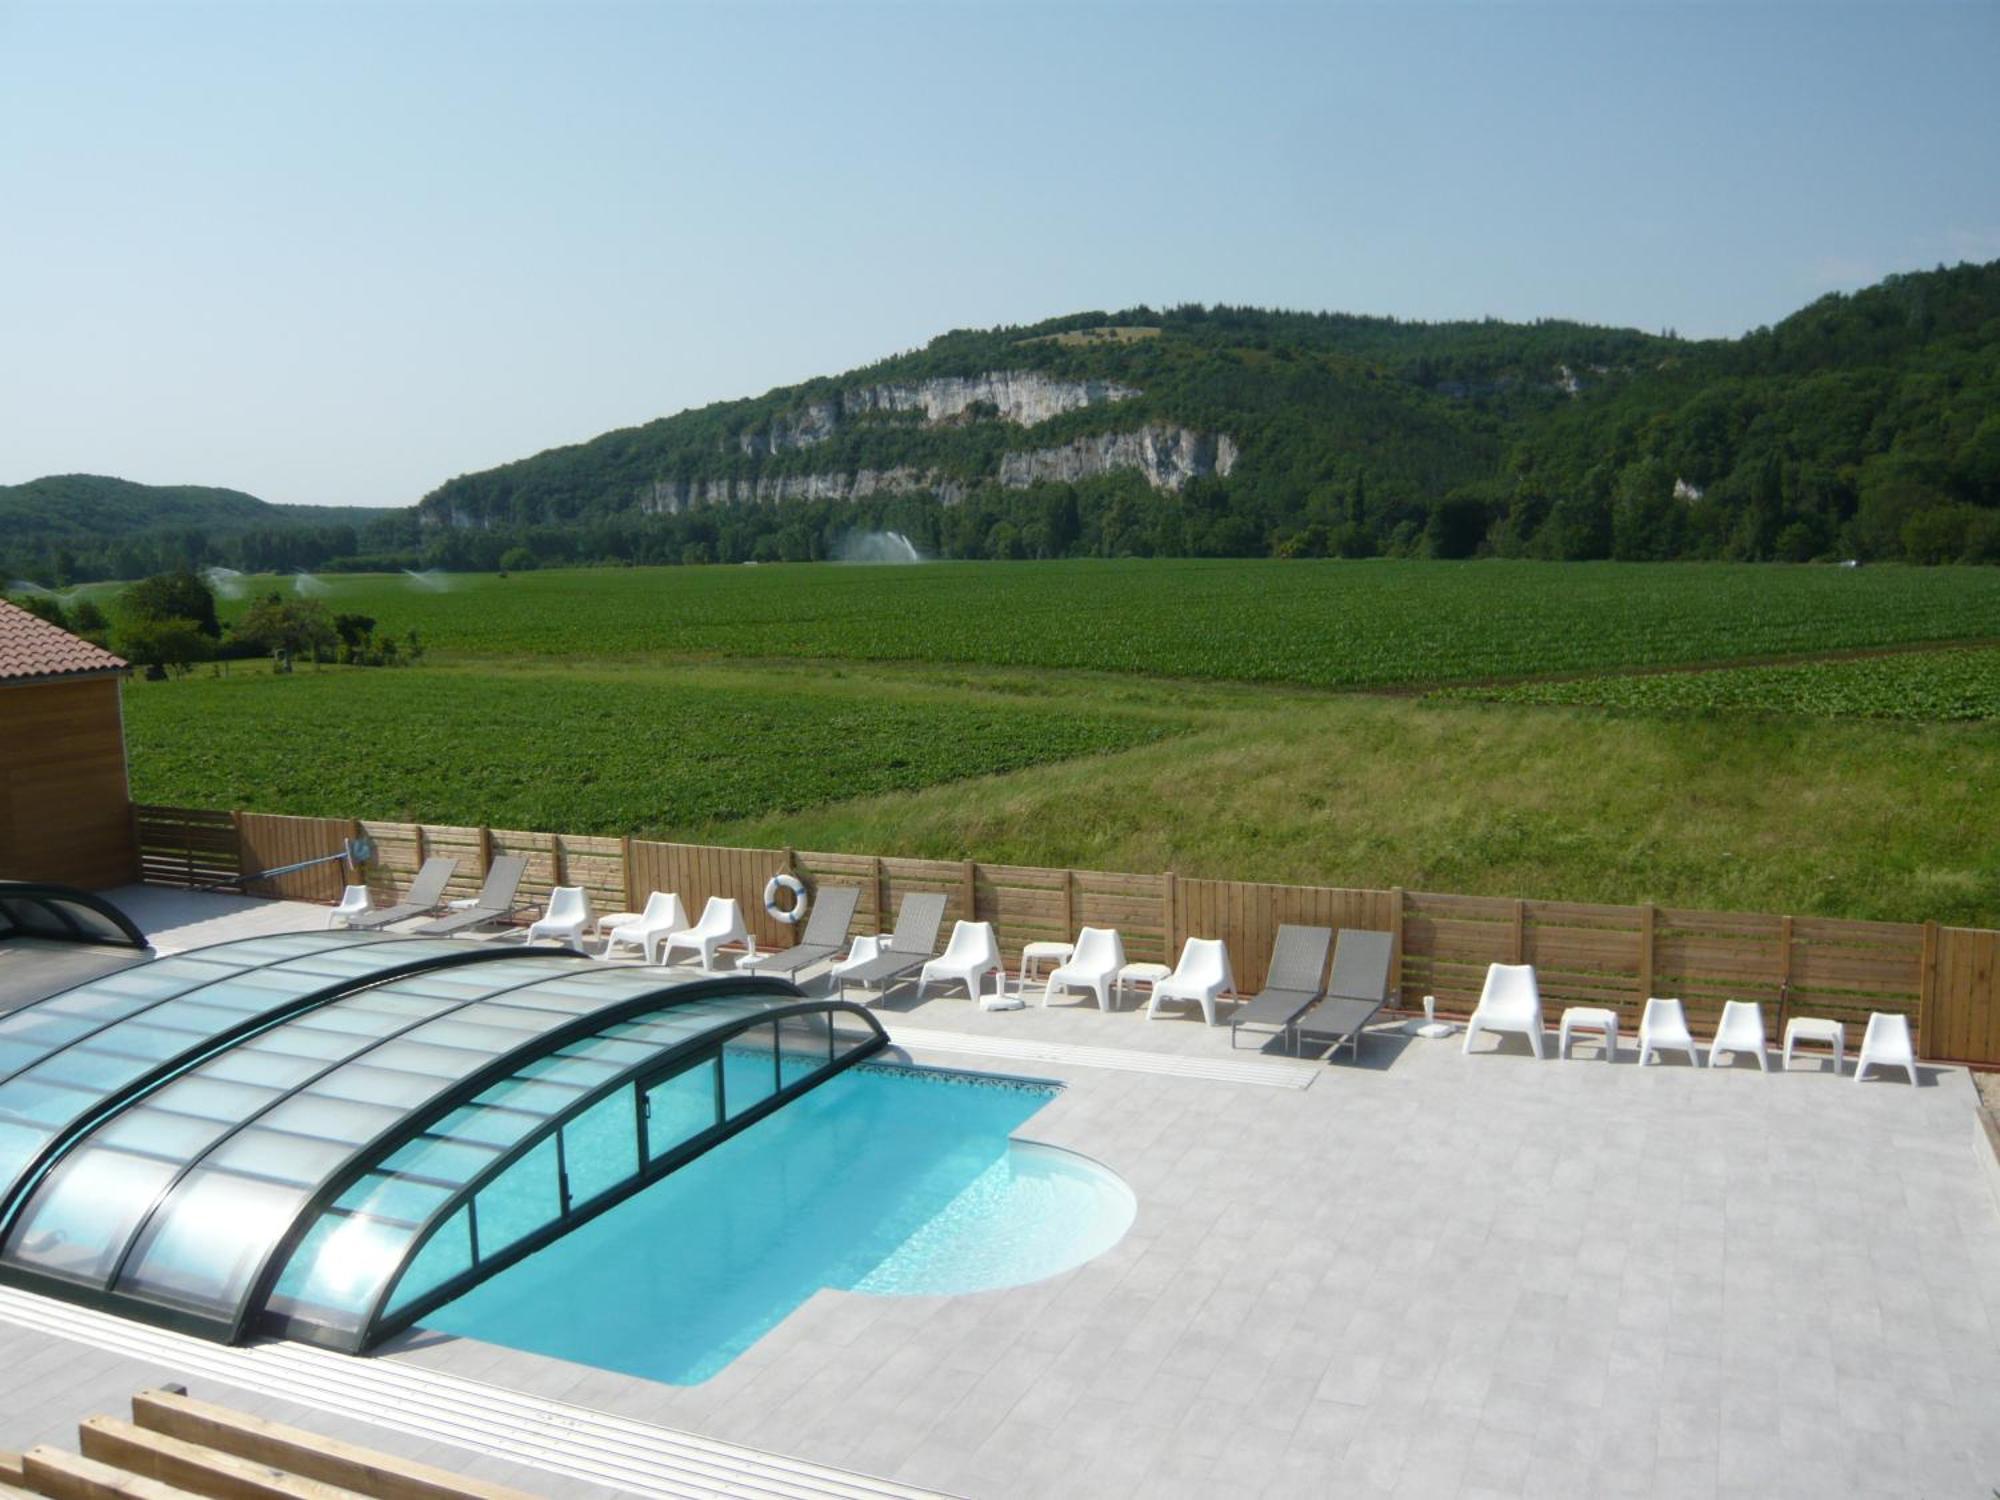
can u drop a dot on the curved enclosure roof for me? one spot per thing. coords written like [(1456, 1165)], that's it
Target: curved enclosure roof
[(344, 1164), (62, 913), (54, 936), (68, 1058)]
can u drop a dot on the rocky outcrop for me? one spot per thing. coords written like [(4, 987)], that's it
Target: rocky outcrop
[(668, 497), (1168, 456), (1023, 397)]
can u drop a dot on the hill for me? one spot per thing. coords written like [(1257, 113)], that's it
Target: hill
[(1864, 425), (68, 527)]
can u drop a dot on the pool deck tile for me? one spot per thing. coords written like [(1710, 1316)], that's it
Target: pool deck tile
[(1425, 1274)]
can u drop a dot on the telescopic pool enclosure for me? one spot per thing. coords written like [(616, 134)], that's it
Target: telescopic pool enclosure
[(326, 1135)]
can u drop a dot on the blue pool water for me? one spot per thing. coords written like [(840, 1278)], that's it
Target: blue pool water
[(883, 1180)]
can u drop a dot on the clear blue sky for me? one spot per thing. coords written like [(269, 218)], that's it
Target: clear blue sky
[(339, 253)]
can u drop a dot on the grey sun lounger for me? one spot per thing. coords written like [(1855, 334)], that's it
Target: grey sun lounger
[(825, 935), (495, 900), (420, 900), (1356, 992), (1298, 967), (912, 945)]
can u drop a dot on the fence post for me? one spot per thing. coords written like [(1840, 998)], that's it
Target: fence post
[(1784, 970), (881, 909), (235, 823), (1069, 903), (1648, 926), (1396, 944), (1927, 991), (971, 887), (625, 869), (485, 849), (1171, 900), (1520, 932)]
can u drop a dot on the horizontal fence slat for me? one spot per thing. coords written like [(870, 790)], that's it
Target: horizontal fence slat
[(1584, 953)]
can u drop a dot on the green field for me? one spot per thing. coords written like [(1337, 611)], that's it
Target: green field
[(1202, 717), (577, 751), (1919, 686), (1323, 624)]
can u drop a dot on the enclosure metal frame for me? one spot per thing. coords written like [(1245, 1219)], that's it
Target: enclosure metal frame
[(52, 898), (379, 1324), (15, 1199)]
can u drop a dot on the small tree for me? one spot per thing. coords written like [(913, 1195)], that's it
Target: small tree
[(164, 644), (288, 627), (173, 596), (88, 621), (44, 607)]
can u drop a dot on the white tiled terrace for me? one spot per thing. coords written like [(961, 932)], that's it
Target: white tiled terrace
[(1426, 1274)]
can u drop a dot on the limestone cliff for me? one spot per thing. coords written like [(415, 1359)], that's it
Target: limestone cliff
[(1023, 397), (1168, 456)]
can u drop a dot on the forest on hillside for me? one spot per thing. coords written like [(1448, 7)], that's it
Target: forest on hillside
[(1864, 426)]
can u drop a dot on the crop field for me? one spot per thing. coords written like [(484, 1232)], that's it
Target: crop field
[(1321, 624), (1912, 685), (569, 750), (1318, 723)]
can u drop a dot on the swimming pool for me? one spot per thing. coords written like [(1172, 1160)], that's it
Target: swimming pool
[(883, 1180)]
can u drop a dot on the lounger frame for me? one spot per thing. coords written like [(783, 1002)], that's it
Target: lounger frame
[(420, 900), (912, 945), (827, 927), (495, 903), (1356, 991), (1295, 982)]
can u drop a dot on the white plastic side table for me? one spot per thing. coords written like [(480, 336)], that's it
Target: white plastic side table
[(1813, 1029), (1034, 955), (1146, 974), (1588, 1018)]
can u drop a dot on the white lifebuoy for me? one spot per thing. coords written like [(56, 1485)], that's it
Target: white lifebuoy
[(790, 883)]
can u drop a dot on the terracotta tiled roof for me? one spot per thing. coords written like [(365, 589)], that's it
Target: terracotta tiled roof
[(31, 647)]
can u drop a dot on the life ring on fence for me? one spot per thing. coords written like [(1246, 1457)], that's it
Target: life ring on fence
[(800, 901)]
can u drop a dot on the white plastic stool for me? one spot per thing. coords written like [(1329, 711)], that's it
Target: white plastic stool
[(1034, 955), (1588, 1018), (1812, 1029)]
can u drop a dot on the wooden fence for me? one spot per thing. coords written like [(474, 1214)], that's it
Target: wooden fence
[(1945, 979)]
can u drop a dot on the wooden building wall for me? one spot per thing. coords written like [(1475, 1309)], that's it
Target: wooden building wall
[(65, 806)]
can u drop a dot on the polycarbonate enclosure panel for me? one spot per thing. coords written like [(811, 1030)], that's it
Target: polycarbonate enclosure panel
[(307, 1096), (561, 1132), (322, 1122), (62, 1058)]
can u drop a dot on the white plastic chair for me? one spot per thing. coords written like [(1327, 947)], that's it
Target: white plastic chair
[(1887, 1044), (1203, 976), (865, 950), (1093, 966), (721, 922), (353, 902), (1510, 1000), (664, 914), (1741, 1029), (1664, 1028), (567, 915), (972, 954)]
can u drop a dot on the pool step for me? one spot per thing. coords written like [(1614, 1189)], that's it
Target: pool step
[(570, 1442), (1279, 1073)]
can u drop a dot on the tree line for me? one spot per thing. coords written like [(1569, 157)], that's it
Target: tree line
[(1864, 426)]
